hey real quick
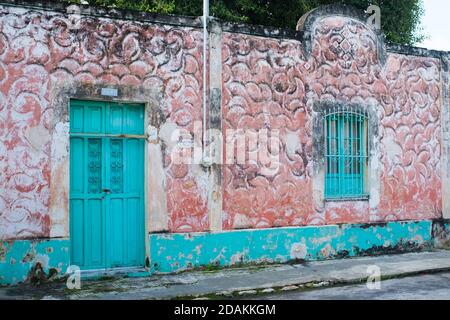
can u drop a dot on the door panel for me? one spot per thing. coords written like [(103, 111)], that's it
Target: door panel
[(116, 233), (134, 206), (76, 231), (134, 120), (94, 119), (77, 165), (126, 212), (93, 229), (76, 118), (115, 119), (106, 185), (125, 119), (86, 202), (132, 237)]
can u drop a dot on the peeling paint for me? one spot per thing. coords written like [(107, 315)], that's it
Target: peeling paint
[(441, 234), (264, 83), (20, 259), (299, 251), (264, 80), (43, 58), (286, 244), (271, 83)]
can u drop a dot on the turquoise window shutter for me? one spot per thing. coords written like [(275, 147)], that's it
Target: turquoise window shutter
[(346, 154)]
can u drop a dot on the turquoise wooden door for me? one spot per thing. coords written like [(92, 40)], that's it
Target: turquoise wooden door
[(106, 185)]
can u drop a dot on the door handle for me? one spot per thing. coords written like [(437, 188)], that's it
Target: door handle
[(108, 191)]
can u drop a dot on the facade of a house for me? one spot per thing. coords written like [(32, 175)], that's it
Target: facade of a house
[(325, 143)]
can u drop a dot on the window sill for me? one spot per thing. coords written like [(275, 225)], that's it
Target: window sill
[(349, 199)]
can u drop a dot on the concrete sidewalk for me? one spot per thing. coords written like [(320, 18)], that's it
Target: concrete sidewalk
[(239, 282)]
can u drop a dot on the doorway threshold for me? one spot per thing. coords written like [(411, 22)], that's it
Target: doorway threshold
[(127, 272)]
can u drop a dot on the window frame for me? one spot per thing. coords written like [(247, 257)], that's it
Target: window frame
[(319, 109), (346, 130)]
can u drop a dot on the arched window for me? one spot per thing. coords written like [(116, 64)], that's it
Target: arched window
[(346, 154)]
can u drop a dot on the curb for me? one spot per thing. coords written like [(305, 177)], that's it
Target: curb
[(286, 286)]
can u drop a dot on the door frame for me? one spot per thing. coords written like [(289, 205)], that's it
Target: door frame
[(145, 187)]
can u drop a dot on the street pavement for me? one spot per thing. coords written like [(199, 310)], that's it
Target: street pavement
[(290, 281), (422, 287)]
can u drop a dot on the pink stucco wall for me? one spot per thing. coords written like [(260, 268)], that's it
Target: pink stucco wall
[(265, 87), (267, 83), (38, 51), (271, 84)]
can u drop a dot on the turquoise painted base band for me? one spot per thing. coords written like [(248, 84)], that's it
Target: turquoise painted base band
[(177, 252), (19, 257)]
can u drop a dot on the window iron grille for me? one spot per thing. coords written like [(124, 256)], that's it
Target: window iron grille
[(346, 153)]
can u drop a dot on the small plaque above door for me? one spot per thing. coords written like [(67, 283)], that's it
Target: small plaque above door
[(109, 92)]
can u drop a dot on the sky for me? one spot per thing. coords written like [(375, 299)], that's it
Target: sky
[(436, 24)]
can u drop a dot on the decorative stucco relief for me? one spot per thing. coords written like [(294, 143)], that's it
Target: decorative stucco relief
[(267, 84), (40, 51), (265, 88), (411, 139), (345, 66)]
